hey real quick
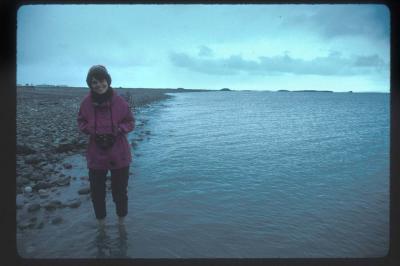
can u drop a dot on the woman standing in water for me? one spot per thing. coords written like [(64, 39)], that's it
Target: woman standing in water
[(106, 118)]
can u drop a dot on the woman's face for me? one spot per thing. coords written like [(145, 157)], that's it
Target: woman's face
[(99, 86)]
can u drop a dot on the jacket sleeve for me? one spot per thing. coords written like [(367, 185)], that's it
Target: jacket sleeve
[(127, 124), (83, 123)]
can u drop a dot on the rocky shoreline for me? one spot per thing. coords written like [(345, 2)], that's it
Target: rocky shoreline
[(46, 134)]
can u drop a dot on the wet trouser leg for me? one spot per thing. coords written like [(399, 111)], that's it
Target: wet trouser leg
[(119, 184), (97, 180)]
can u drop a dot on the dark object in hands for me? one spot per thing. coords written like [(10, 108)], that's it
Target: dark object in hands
[(105, 141)]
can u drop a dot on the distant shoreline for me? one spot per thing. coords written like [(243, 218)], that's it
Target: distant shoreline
[(179, 90), (162, 90)]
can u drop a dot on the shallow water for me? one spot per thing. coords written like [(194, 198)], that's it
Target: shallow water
[(243, 174)]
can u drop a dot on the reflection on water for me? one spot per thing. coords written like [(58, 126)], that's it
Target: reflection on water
[(103, 243), (122, 241), (107, 248)]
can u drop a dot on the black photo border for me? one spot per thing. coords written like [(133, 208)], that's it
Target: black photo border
[(9, 254)]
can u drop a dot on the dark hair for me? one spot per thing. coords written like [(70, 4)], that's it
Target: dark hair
[(98, 72)]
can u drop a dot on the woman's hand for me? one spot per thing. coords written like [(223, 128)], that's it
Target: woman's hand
[(117, 130), (83, 124)]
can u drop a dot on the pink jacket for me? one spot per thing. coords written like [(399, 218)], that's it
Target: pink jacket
[(119, 155)]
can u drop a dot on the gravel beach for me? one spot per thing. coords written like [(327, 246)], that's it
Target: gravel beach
[(47, 132)]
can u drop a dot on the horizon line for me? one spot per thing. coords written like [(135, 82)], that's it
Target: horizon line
[(182, 88)]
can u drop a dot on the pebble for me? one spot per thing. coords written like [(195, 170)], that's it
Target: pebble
[(20, 203), (19, 190), (57, 220), (43, 193), (42, 185), (63, 181), (33, 207), (35, 177), (40, 225), (24, 149), (41, 164), (32, 159), (53, 204), (25, 180), (67, 166), (48, 168), (26, 224), (75, 203), (28, 189), (19, 181)]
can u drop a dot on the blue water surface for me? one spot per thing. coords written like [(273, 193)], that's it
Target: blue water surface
[(249, 175)]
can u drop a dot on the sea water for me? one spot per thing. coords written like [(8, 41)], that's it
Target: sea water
[(244, 175)]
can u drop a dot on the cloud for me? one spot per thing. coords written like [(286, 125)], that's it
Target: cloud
[(333, 64), (333, 21), (205, 51), (369, 61)]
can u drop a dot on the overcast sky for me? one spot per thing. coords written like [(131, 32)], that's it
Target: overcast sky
[(255, 47)]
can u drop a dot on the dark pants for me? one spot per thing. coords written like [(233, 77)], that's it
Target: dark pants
[(119, 184)]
